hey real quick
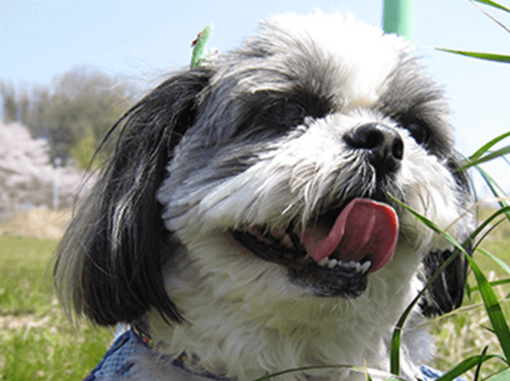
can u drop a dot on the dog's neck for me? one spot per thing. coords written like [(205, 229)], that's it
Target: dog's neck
[(247, 339)]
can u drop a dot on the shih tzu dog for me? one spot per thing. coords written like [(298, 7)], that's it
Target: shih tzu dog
[(246, 223)]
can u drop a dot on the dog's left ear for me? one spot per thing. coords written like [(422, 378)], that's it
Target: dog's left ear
[(447, 291), (109, 263)]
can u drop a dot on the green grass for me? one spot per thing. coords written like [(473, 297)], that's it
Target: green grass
[(22, 288), (36, 340), (468, 331)]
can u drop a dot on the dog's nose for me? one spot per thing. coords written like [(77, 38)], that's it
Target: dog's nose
[(384, 146)]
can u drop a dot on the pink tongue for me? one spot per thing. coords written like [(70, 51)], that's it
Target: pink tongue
[(365, 227)]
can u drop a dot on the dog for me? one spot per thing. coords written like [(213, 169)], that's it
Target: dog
[(250, 219)]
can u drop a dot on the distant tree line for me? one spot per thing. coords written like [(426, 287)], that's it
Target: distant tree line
[(73, 114)]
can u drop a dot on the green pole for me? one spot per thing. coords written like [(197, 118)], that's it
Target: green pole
[(399, 17)]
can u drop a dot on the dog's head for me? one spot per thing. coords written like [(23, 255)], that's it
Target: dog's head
[(271, 169)]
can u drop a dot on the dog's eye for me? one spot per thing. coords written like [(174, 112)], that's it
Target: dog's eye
[(419, 132), (269, 113), (286, 113)]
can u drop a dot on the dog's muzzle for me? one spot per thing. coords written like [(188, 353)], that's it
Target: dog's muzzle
[(334, 256)]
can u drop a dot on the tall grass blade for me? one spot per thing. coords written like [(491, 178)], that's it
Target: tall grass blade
[(490, 300), (493, 4), (397, 332), (486, 147), (380, 374), (492, 17), (488, 157), (501, 263), (479, 366), (481, 228), (488, 220), (484, 56), (492, 184), (486, 233), (495, 283), (493, 308), (465, 365)]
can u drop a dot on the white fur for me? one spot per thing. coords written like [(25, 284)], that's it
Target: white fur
[(362, 72)]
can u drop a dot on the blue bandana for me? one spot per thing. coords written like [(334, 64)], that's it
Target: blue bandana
[(118, 363)]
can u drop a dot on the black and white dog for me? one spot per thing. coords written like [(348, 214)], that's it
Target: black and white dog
[(245, 224)]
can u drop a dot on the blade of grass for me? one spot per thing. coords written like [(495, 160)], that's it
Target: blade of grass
[(488, 146), (491, 183), (359, 369), (486, 233), (501, 264), (484, 56), (490, 300), (488, 157), (493, 284), (491, 16), (479, 366), (397, 332), (493, 4), (488, 220), (484, 224), (466, 365)]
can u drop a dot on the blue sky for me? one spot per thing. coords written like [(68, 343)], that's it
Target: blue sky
[(143, 40)]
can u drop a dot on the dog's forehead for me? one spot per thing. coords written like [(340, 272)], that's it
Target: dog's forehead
[(322, 64), (355, 59)]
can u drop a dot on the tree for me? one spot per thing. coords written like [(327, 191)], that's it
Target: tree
[(80, 104), (27, 175), (8, 102)]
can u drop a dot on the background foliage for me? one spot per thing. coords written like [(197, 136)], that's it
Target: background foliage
[(73, 114)]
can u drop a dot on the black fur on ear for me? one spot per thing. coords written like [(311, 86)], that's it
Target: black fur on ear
[(108, 266), (447, 291)]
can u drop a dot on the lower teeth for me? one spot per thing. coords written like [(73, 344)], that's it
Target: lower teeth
[(331, 263)]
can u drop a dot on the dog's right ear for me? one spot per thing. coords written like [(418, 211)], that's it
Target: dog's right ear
[(447, 291), (108, 266)]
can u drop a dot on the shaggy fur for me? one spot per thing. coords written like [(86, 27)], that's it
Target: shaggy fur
[(195, 228)]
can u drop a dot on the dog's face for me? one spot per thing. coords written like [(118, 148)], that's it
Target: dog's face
[(300, 139), (269, 175)]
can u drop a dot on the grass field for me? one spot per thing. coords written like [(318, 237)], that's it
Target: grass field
[(37, 343), (467, 331)]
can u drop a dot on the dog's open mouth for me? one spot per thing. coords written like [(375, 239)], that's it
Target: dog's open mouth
[(334, 257)]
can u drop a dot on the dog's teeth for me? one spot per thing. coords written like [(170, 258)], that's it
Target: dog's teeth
[(323, 262), (365, 266), (356, 266)]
